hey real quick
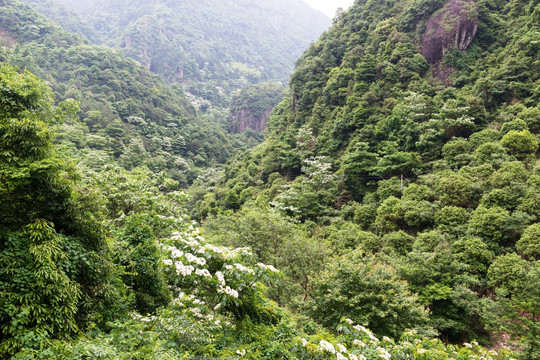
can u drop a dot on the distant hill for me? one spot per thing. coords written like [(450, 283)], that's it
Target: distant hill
[(213, 47), (131, 115)]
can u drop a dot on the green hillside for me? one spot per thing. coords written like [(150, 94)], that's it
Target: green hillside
[(131, 115), (392, 211), (212, 47), (106, 265), (427, 164)]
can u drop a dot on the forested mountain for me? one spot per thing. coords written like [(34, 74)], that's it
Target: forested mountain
[(409, 140), (131, 115), (105, 265), (392, 211), (213, 47)]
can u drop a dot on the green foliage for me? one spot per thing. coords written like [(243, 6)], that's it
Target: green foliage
[(515, 306), (46, 292), (455, 190), (275, 241), (365, 289), (529, 243), (39, 301), (370, 152), (253, 102), (520, 143), (212, 48), (130, 113)]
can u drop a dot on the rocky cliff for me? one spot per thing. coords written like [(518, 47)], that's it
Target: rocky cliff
[(251, 107), (245, 119), (452, 27)]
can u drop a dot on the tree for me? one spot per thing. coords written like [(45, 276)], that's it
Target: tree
[(54, 264), (455, 190), (515, 308), (520, 143), (367, 291), (490, 225), (529, 244)]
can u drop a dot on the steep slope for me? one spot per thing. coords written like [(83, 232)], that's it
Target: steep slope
[(131, 114), (69, 20), (213, 47), (427, 161), (251, 106)]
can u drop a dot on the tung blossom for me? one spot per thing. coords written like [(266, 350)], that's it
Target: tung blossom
[(184, 270), (268, 267), (167, 262), (227, 290), (383, 353), (203, 272), (326, 346)]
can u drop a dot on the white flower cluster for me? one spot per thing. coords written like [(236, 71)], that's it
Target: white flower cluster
[(175, 253), (326, 346), (203, 272), (267, 267), (359, 343), (370, 335), (241, 352), (359, 357), (184, 270), (220, 277), (383, 353), (227, 290), (139, 317), (239, 267), (193, 259), (340, 353)]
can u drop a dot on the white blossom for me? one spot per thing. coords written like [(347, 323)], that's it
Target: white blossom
[(383, 353), (359, 343), (220, 277), (184, 270), (193, 259), (203, 272), (243, 268), (325, 345), (227, 290), (177, 253), (267, 267)]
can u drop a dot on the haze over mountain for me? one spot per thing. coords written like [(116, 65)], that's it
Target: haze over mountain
[(391, 212), (212, 47)]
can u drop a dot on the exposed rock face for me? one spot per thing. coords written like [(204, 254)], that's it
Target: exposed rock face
[(454, 26), (251, 106), (244, 119), (6, 39)]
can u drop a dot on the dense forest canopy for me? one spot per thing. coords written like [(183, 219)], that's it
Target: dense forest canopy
[(131, 115), (212, 47), (427, 163), (391, 212)]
